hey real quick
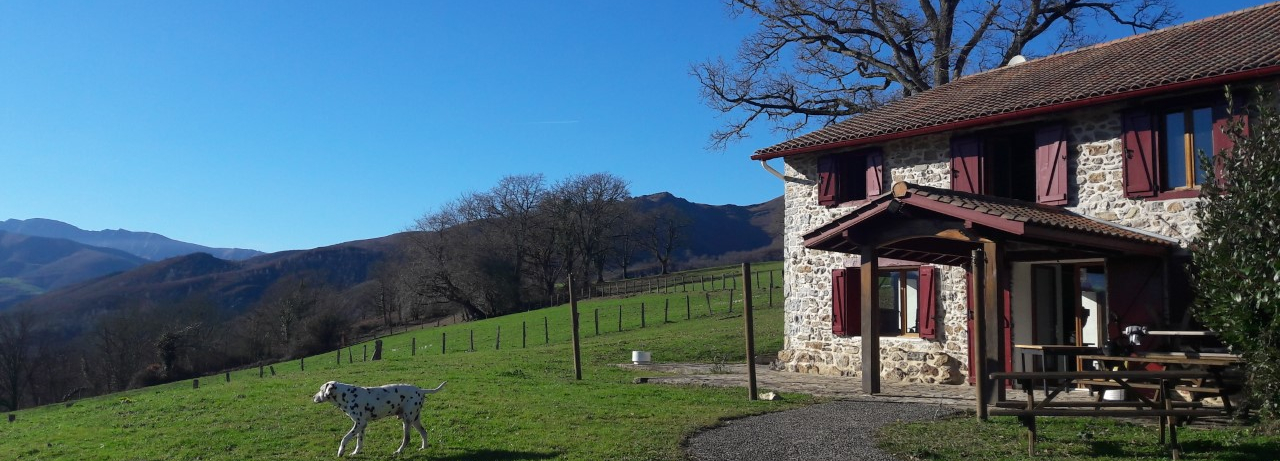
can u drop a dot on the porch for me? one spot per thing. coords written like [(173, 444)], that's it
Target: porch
[(1035, 274)]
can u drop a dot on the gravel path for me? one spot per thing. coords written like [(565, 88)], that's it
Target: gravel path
[(838, 430)]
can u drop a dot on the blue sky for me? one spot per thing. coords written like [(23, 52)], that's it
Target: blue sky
[(292, 125)]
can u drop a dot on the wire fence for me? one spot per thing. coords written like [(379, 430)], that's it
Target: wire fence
[(667, 303)]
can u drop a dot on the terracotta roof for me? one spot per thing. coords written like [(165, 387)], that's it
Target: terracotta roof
[(1231, 47), (1014, 217), (1031, 213)]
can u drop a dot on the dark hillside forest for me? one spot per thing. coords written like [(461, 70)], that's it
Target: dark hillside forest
[(504, 250)]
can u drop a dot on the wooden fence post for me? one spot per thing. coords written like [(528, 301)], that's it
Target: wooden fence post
[(597, 321), (497, 342), (473, 341), (228, 376), (366, 353), (708, 295), (666, 308), (730, 302), (688, 313), (260, 370), (641, 315), (351, 356), (619, 317), (577, 351), (443, 337), (272, 368), (546, 331), (750, 331), (302, 363), (524, 335), (339, 356), (377, 349), (413, 346), (195, 384)]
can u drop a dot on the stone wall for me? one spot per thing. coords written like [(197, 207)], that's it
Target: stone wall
[(810, 347), (1098, 191)]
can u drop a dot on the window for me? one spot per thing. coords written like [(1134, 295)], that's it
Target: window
[(1162, 146), (1186, 132), (850, 177), (1021, 163), (899, 292), (907, 296)]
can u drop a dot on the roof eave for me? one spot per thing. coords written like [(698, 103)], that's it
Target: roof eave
[(1031, 112)]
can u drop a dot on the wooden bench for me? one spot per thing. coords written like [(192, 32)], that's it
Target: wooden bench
[(1159, 405)]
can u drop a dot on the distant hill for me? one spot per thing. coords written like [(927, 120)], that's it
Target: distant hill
[(233, 286), (719, 234), (723, 234), (30, 266), (153, 247)]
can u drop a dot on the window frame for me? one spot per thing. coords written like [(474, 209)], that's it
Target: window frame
[(846, 301), (850, 178), (1143, 135)]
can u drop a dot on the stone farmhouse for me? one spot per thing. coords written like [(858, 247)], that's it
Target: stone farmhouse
[(1046, 202)]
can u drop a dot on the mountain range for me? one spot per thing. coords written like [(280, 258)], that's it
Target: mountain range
[(146, 245), (73, 275)]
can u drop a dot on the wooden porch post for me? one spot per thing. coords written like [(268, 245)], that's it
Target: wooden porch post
[(994, 316), (988, 335), (870, 321), (977, 337)]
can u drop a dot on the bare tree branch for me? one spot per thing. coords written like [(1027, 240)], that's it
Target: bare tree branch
[(820, 61)]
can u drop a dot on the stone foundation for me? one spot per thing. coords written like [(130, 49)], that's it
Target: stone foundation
[(906, 361)]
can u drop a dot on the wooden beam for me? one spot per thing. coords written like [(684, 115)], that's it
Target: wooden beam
[(987, 322), (977, 337), (870, 321)]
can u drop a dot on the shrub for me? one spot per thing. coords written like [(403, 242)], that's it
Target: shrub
[(1237, 254)]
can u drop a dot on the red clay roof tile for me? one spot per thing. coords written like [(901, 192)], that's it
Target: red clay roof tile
[(1242, 44)]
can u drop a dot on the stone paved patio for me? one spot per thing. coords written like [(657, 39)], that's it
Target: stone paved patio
[(836, 387)]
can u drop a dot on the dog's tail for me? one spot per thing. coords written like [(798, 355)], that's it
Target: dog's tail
[(432, 391)]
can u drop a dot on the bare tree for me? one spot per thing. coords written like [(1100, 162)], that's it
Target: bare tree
[(826, 60), (511, 211), (664, 233), (625, 241), (17, 356), (590, 205), (453, 264), (121, 344)]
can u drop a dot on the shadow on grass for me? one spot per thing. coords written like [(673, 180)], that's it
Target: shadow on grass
[(1247, 451), (499, 455)]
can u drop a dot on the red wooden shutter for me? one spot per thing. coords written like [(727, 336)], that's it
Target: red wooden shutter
[(966, 165), (1051, 165), (828, 180), (927, 303), (1222, 143), (875, 172), (1140, 172), (839, 302), (846, 296)]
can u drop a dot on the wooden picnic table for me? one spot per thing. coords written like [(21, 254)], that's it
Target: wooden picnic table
[(1158, 405), (1219, 382), (1055, 352)]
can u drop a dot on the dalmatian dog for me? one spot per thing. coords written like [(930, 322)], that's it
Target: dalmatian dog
[(364, 404)]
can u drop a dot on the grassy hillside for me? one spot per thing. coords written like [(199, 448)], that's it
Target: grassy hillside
[(516, 403)]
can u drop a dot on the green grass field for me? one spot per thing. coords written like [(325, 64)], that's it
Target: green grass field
[(509, 404)]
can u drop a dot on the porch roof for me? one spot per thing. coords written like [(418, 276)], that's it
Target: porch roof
[(901, 223)]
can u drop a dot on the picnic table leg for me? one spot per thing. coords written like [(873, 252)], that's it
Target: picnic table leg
[(1165, 389), (1030, 422), (1164, 420)]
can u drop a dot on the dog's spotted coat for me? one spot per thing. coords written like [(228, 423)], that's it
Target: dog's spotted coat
[(364, 404)]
